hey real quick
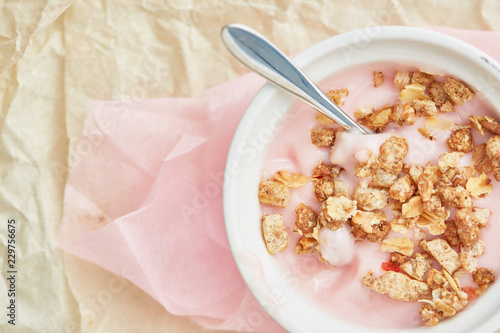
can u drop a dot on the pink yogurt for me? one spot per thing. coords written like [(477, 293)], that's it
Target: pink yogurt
[(339, 289)]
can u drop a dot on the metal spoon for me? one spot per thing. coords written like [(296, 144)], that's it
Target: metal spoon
[(260, 55)]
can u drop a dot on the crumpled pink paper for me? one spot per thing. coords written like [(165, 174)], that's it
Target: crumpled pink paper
[(144, 198)]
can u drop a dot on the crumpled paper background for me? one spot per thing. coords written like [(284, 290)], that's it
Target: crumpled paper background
[(53, 65)]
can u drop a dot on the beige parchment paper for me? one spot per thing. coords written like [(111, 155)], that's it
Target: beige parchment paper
[(57, 56)]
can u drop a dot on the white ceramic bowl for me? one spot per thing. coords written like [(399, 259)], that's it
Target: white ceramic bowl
[(266, 279)]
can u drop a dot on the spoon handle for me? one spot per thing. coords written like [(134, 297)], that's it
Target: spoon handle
[(260, 55)]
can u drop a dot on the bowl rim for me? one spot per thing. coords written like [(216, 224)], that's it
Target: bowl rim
[(304, 59)]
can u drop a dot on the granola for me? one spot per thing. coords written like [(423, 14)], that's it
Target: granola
[(323, 137), (402, 79), (370, 198), (461, 140), (338, 96), (404, 245), (378, 78), (444, 254), (275, 234), (457, 91), (400, 287), (392, 153), (431, 205), (402, 189), (417, 266), (467, 226), (273, 192)]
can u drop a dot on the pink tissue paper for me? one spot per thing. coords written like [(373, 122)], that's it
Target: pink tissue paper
[(144, 198)]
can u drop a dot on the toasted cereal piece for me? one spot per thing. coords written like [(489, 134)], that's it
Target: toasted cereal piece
[(291, 179), (425, 186), (462, 175), (417, 267), (475, 121), (432, 172), (356, 231), (367, 162), (306, 221), (458, 92), (370, 198), (451, 233), (327, 187), (401, 79), (427, 134), (326, 170), (483, 277), (415, 171), (392, 153), (490, 125), (402, 189), (306, 245), (402, 224), (434, 223), (380, 231), (366, 220), (273, 192), (481, 160), (377, 120), (435, 279), (448, 177), (383, 178), (438, 123), (425, 108), (408, 115), (435, 211), (469, 255), (430, 316), (447, 107), (400, 287), (323, 137), (457, 196), (335, 211), (421, 78), (459, 273), (412, 92), (338, 96), (493, 152), (397, 259), (481, 216), (461, 140), (442, 307), (275, 235), (401, 245), (324, 188), (403, 114), (378, 78), (449, 160), (340, 188), (444, 254), (479, 186), (323, 119), (496, 173), (368, 279), (363, 112), (467, 226), (435, 206), (493, 148), (437, 93), (413, 207)]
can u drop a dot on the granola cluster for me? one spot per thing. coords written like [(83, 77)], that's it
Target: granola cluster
[(436, 203)]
